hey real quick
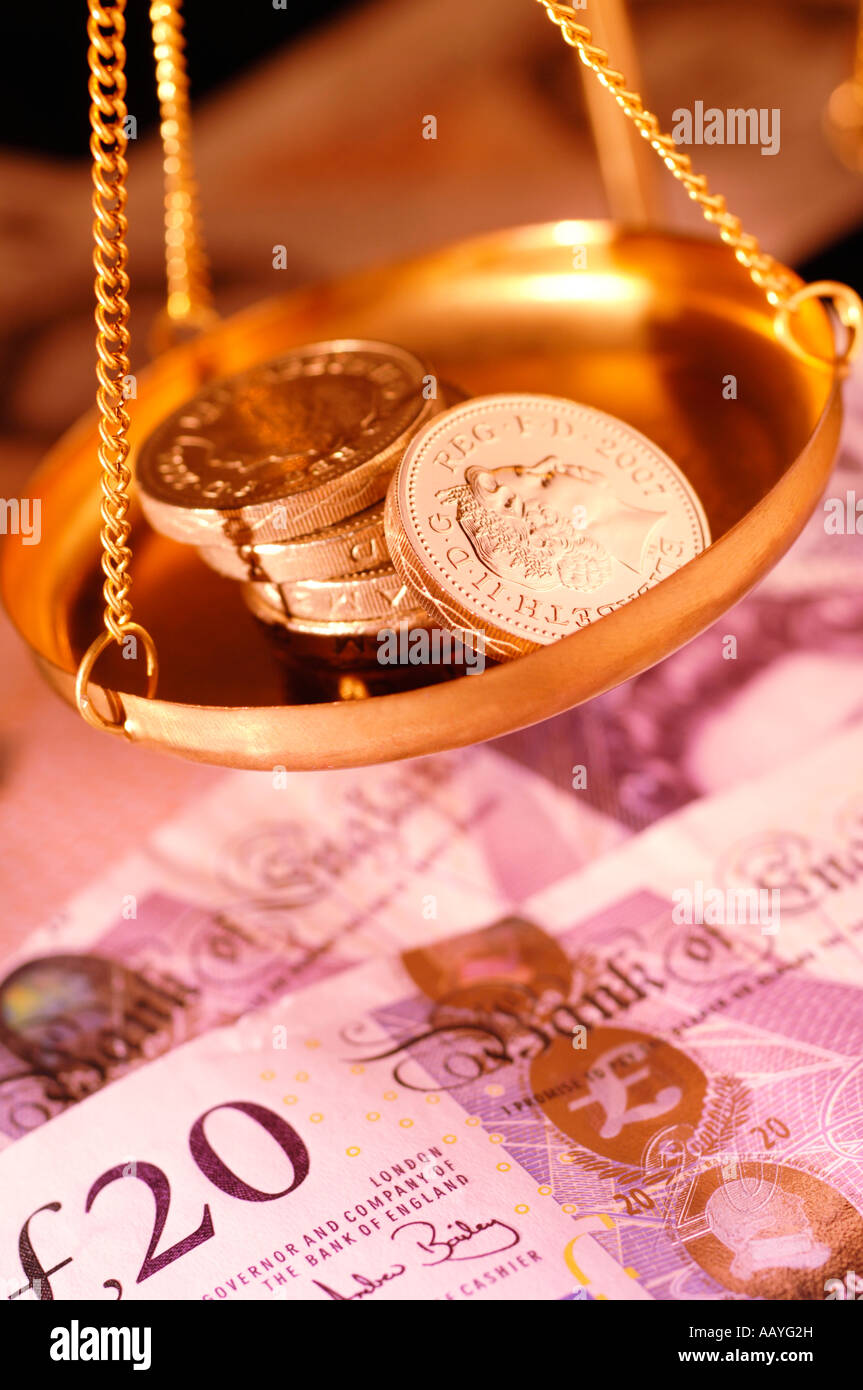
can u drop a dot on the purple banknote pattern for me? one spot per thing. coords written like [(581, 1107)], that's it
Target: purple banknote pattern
[(639, 1084), (708, 1119), (258, 891)]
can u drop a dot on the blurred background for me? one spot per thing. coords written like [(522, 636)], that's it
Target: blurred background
[(307, 134)]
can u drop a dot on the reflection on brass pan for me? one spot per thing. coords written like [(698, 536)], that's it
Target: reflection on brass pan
[(328, 679), (528, 517), (325, 662), (287, 447)]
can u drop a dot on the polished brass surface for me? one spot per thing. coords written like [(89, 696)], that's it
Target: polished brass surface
[(648, 332)]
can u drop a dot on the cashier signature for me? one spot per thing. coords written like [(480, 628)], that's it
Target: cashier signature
[(462, 1233), (366, 1285)]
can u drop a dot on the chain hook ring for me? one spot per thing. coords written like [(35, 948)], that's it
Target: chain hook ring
[(849, 310), (117, 723)]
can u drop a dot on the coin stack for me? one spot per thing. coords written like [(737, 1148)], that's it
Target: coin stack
[(277, 475), (356, 502)]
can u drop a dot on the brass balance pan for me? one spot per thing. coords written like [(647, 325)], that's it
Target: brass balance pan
[(650, 331)]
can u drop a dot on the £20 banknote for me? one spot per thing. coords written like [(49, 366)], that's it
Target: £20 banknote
[(646, 1084)]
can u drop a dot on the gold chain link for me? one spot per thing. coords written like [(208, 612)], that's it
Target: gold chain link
[(190, 302), (106, 55), (107, 86), (768, 274)]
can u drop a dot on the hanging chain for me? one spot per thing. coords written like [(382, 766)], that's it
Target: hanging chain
[(106, 26), (781, 287), (767, 273), (190, 302), (107, 146)]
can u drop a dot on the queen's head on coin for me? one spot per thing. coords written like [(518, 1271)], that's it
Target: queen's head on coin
[(551, 523), (527, 517)]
